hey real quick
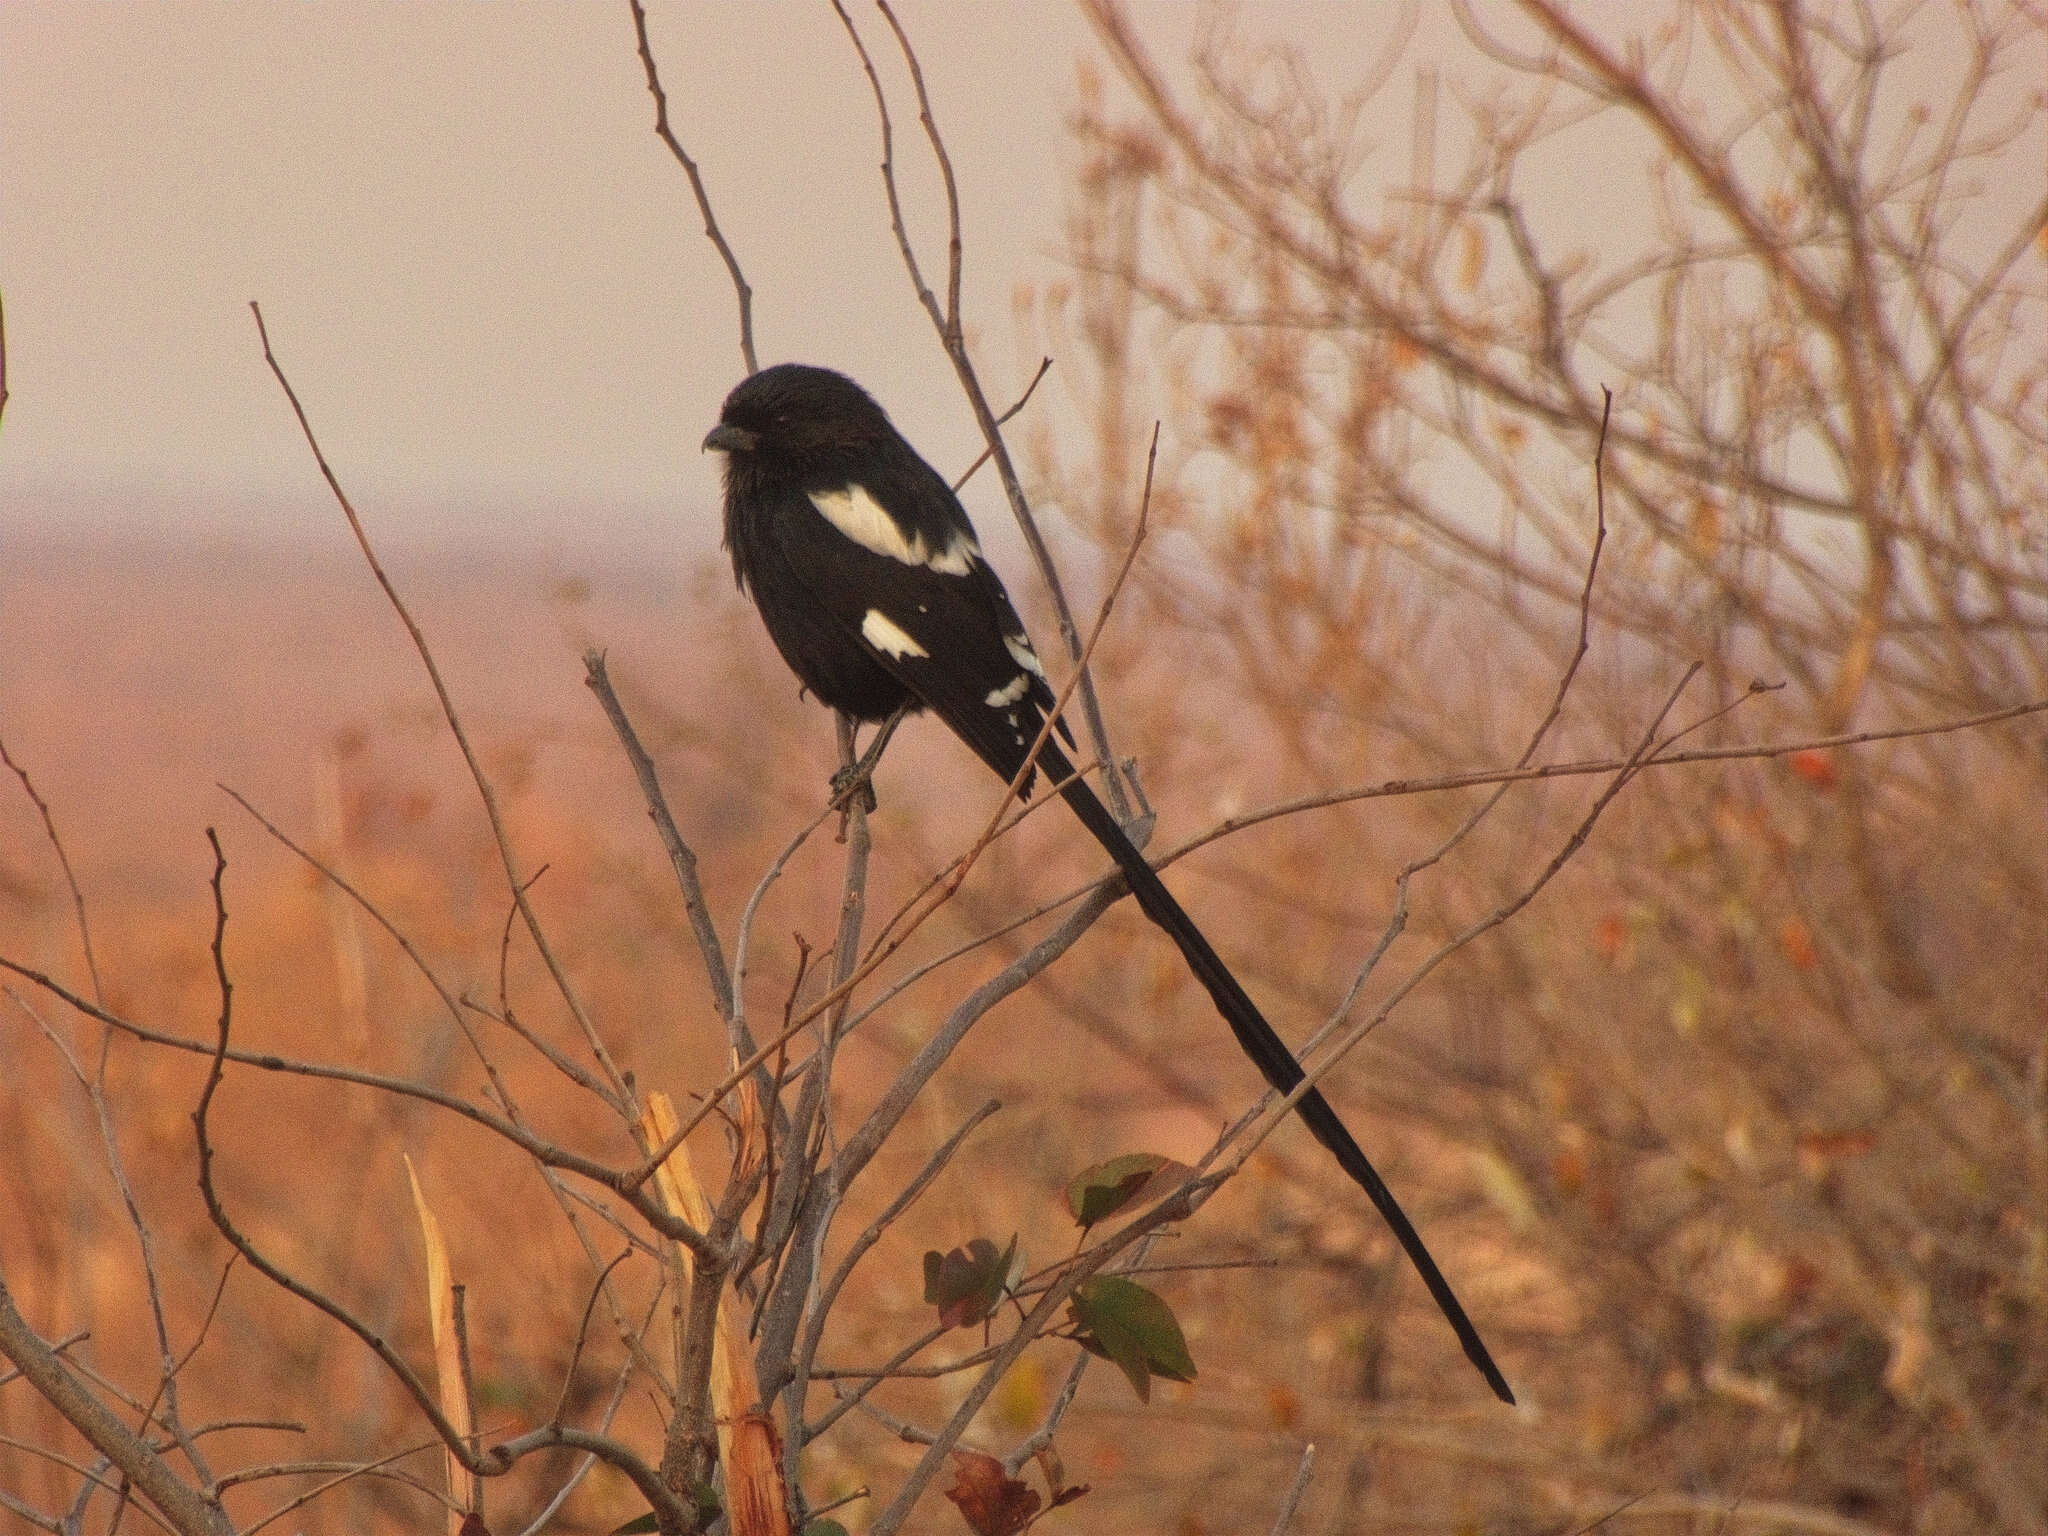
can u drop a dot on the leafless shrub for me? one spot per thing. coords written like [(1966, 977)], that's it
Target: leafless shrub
[(1764, 1091)]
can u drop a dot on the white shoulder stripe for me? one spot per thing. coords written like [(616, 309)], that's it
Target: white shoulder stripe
[(885, 636), (862, 519)]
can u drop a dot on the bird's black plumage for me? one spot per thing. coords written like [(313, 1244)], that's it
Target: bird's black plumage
[(872, 585)]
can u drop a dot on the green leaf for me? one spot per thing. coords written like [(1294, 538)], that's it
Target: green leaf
[(1107, 1188), (966, 1285), (824, 1528), (637, 1525), (1133, 1329)]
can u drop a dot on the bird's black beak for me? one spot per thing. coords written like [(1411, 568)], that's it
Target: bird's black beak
[(727, 438)]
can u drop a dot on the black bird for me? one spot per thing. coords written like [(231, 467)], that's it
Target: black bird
[(867, 573)]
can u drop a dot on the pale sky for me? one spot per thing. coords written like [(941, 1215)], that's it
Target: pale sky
[(482, 271)]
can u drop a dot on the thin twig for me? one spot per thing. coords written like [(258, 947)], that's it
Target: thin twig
[(821, 1309), (680, 856), (94, 1088), (460, 1296), (743, 294), (1630, 767), (92, 1479), (542, 1520), (1596, 767), (485, 793), (346, 1473), (423, 1399), (183, 1508), (1179, 1205), (1062, 1401), (743, 941), (452, 1003), (1296, 1490), (943, 887), (28, 787), (896, 1102), (1397, 922), (625, 1182), (811, 1202), (981, 458)]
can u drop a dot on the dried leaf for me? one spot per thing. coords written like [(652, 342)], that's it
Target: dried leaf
[(1818, 1150), (1055, 1474), (967, 1284), (447, 1348), (1505, 1189), (1815, 766), (991, 1501), (732, 1368), (1796, 940)]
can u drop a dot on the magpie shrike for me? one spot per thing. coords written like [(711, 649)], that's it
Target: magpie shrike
[(872, 585)]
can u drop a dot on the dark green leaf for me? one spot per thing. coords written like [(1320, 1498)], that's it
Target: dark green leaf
[(1133, 1329), (638, 1525)]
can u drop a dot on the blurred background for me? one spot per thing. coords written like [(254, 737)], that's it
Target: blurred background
[(1735, 1139)]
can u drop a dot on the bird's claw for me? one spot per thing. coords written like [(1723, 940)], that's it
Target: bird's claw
[(851, 780)]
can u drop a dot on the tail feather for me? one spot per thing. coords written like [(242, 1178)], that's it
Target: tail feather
[(1267, 1050)]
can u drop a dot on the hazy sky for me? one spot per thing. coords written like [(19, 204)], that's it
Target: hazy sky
[(484, 273), (479, 266)]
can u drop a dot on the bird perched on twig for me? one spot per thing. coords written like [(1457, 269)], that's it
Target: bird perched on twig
[(874, 588)]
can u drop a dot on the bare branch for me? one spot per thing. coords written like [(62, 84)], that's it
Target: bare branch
[(1299, 1487), (485, 793), (680, 858), (56, 843), (184, 1508), (742, 294)]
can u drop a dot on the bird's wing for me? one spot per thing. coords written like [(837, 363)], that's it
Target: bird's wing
[(931, 612)]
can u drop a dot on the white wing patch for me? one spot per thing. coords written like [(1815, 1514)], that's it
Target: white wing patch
[(862, 519), (880, 631), (1009, 693), (1020, 651)]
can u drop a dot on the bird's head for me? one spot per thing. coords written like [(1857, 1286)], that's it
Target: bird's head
[(797, 417)]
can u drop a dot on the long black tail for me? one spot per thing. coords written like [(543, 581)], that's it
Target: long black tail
[(1266, 1049)]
